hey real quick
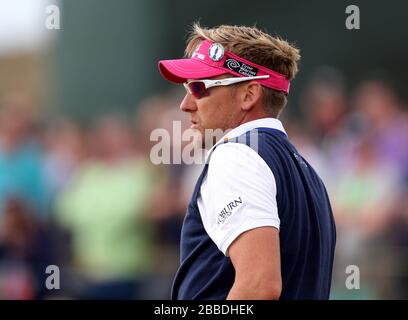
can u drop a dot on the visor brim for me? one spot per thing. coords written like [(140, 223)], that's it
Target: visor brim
[(180, 70)]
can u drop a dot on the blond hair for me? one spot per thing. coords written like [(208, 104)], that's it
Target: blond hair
[(257, 46)]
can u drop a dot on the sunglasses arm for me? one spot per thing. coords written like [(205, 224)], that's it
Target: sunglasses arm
[(229, 81)]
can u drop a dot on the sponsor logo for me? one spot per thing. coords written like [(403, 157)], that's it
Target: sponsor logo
[(228, 209), (241, 68), (198, 55)]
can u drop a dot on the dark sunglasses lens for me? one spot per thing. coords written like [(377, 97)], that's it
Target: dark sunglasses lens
[(197, 89)]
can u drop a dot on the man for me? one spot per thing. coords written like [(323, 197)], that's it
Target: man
[(259, 224)]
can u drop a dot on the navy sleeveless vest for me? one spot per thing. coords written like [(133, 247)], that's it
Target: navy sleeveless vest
[(307, 231)]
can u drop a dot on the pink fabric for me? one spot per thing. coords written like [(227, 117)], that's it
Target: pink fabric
[(201, 66)]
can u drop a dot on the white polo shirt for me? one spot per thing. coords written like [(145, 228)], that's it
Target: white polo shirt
[(239, 190)]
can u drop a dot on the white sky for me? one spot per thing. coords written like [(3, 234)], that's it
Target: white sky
[(22, 25)]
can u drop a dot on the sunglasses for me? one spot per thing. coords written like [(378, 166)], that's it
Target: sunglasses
[(199, 88)]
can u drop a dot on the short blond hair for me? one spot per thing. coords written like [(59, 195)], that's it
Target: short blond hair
[(257, 46)]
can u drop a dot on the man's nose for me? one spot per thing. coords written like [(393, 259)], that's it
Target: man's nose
[(188, 104)]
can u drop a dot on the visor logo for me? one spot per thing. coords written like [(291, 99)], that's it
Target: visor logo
[(197, 54), (241, 68), (216, 52)]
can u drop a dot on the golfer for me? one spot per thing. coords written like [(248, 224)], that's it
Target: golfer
[(259, 224)]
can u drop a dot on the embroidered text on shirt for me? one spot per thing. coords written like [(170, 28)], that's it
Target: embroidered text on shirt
[(227, 211)]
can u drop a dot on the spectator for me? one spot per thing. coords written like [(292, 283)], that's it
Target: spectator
[(103, 207), (21, 158)]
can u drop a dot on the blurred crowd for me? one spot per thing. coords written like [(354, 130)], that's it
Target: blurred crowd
[(86, 198)]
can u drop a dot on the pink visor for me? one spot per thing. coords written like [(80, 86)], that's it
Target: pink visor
[(210, 60)]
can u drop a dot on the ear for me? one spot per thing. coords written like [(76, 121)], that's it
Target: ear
[(251, 95)]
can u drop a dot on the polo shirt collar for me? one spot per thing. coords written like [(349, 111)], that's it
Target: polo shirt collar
[(271, 123)]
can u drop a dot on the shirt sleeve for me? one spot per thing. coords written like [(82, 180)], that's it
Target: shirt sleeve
[(238, 194)]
